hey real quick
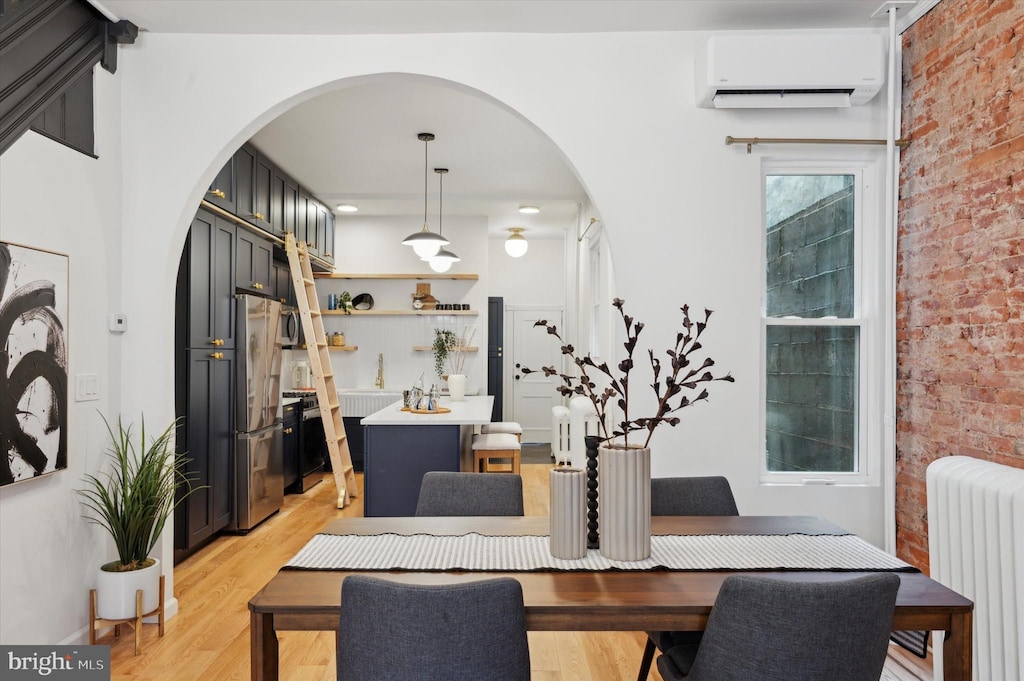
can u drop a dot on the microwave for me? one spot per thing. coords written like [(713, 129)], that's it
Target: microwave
[(291, 327)]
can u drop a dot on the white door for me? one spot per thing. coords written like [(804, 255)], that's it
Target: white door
[(534, 394)]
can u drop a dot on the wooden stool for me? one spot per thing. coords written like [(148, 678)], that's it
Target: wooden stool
[(96, 623), (503, 427), (495, 446)]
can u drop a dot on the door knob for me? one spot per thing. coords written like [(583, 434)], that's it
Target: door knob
[(517, 377)]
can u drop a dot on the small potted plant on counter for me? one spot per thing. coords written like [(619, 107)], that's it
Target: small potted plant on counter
[(132, 502), (452, 349)]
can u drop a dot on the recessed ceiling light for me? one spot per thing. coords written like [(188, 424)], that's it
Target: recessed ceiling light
[(529, 210), (347, 208)]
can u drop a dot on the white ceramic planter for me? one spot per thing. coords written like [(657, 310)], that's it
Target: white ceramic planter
[(624, 495), (115, 592), (457, 387), (568, 513)]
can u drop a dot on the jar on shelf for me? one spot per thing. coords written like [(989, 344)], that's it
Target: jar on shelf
[(338, 339)]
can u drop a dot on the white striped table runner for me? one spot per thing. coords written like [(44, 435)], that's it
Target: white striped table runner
[(477, 552)]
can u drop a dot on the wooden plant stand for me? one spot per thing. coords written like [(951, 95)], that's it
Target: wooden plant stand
[(96, 623)]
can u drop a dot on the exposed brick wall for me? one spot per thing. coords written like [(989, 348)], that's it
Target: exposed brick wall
[(960, 278)]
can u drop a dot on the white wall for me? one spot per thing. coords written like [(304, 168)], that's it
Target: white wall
[(681, 209), (61, 200), (537, 278)]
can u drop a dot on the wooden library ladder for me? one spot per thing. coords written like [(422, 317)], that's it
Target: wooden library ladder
[(323, 373)]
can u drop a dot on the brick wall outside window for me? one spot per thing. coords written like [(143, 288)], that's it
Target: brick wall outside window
[(960, 269)]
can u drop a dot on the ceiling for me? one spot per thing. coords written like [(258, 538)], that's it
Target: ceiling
[(359, 145)]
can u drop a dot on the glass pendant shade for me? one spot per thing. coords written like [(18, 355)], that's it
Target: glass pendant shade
[(516, 245)]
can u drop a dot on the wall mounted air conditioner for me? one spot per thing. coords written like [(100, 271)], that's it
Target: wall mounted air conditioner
[(790, 70)]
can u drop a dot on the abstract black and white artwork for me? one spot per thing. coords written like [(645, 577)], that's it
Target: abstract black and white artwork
[(33, 362)]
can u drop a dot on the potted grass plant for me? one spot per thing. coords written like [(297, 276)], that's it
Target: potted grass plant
[(132, 501), (452, 349)]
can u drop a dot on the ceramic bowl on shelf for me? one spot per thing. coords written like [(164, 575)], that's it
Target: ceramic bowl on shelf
[(364, 301)]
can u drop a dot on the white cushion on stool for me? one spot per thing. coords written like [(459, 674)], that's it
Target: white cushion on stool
[(495, 441), (502, 427)]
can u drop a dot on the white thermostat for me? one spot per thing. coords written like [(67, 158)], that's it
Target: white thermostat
[(118, 323)]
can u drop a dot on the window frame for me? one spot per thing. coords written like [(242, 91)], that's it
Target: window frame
[(868, 270)]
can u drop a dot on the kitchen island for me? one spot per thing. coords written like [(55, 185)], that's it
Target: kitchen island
[(401, 446)]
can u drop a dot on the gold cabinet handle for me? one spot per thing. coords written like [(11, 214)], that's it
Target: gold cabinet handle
[(258, 216), (309, 244), (328, 255), (257, 285), (289, 431), (217, 355), (217, 341), (217, 192)]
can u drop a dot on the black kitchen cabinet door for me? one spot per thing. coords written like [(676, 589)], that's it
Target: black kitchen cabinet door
[(321, 229), (306, 204), (263, 181), (222, 189), (211, 272), (284, 195), (254, 263), (209, 428), (245, 182), (282, 289), (290, 445), (327, 249), (312, 211)]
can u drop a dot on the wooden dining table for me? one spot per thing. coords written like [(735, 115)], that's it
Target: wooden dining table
[(618, 600)]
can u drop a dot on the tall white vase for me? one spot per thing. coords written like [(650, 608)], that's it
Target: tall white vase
[(568, 513), (624, 495), (457, 387)]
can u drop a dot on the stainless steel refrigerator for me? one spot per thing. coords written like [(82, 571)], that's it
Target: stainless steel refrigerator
[(259, 474)]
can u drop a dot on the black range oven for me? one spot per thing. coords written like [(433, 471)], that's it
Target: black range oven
[(312, 443)]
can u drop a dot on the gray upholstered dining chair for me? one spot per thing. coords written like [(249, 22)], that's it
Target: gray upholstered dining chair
[(684, 496), (444, 493), (779, 630), (473, 631)]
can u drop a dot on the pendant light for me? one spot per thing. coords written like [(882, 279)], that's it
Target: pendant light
[(425, 242), (443, 259), (516, 244)]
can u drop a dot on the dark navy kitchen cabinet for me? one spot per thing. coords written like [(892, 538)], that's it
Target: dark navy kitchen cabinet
[(254, 264), (210, 440), (211, 282)]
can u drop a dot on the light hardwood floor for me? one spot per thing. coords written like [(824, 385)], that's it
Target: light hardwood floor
[(209, 638)]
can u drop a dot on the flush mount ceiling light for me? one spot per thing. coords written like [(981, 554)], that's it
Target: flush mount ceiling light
[(529, 210), (424, 242), (443, 259), (516, 244), (347, 208)]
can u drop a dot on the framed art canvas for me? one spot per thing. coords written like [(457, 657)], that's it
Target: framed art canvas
[(33, 362)]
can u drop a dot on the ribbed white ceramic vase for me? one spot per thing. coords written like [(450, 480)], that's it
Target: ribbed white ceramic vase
[(624, 495), (115, 592), (457, 387), (568, 513)]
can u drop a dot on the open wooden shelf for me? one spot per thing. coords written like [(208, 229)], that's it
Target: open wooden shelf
[(380, 275), (342, 348), (430, 348), (394, 313)]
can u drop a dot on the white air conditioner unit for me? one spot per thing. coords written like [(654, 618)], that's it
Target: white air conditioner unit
[(790, 70)]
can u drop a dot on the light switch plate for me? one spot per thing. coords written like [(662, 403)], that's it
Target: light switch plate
[(87, 387)]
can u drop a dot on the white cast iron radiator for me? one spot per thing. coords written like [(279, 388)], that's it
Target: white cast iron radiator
[(976, 547), (560, 433)]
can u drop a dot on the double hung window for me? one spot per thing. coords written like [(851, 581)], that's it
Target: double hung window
[(816, 335)]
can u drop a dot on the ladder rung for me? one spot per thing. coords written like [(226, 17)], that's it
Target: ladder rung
[(342, 437), (307, 281), (315, 313), (321, 345), (348, 469)]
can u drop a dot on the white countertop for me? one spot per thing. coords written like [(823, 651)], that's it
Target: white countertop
[(473, 411)]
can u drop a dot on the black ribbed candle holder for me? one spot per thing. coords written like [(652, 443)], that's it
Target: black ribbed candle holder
[(593, 535)]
